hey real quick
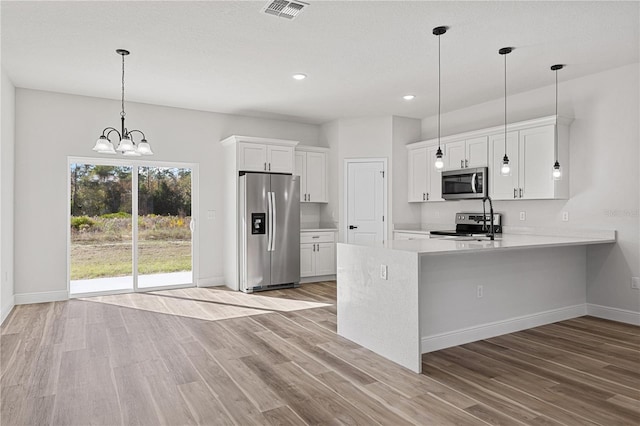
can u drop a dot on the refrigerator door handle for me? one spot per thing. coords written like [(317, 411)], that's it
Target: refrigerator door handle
[(269, 221), (273, 221)]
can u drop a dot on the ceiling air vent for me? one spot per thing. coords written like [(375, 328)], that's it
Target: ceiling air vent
[(284, 8)]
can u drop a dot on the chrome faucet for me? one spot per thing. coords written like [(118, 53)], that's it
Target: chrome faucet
[(491, 234)]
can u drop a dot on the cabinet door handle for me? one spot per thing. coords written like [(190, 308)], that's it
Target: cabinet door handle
[(265, 166), (520, 192), (515, 193), (318, 247), (466, 163), (269, 166), (309, 195), (424, 196), (313, 248), (461, 165), (427, 196)]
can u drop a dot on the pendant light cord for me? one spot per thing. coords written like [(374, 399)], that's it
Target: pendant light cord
[(556, 141), (439, 91), (505, 104), (122, 113)]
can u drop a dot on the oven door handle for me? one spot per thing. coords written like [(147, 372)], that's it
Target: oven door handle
[(473, 183)]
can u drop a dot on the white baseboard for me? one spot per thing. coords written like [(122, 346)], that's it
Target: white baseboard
[(45, 296), (613, 314), (211, 282), (317, 279), (5, 310), (493, 329)]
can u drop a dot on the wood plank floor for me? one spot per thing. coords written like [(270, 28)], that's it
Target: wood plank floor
[(111, 362)]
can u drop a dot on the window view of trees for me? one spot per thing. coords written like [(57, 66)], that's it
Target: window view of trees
[(101, 222)]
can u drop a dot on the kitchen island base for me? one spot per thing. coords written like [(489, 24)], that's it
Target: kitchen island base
[(433, 301)]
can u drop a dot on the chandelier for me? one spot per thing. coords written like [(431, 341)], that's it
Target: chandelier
[(126, 145)]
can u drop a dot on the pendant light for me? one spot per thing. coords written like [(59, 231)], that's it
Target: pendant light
[(438, 31), (557, 171), (126, 145), (505, 170)]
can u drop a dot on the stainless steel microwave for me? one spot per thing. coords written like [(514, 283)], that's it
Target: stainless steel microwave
[(465, 184)]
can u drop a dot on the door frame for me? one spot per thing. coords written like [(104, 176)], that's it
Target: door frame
[(134, 164), (345, 196)]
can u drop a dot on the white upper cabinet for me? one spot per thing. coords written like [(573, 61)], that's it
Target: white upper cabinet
[(503, 187), (466, 153), (417, 174), (531, 157), (477, 150), (252, 157), (454, 155), (424, 179), (311, 166), (531, 150), (262, 154), (280, 159)]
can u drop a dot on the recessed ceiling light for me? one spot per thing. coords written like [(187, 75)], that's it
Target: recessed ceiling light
[(409, 97), (299, 76)]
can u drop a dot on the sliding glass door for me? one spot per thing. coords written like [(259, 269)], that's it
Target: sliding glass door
[(130, 226), (164, 226)]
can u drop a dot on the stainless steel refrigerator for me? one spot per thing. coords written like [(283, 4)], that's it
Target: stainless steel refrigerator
[(270, 231)]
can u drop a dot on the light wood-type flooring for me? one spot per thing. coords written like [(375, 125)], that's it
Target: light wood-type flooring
[(187, 357)]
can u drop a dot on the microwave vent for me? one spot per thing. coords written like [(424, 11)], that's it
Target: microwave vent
[(284, 8)]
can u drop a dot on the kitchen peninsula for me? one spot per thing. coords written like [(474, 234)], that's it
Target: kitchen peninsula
[(408, 297)]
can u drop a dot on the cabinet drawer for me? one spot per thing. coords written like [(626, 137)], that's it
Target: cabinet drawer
[(316, 237)]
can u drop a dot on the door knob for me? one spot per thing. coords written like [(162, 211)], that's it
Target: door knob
[(353, 227)]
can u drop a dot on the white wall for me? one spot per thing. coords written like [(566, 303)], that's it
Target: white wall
[(604, 177), (7, 124), (370, 137), (405, 130), (52, 126)]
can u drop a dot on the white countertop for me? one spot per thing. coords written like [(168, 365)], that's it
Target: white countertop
[(504, 242), (318, 229)]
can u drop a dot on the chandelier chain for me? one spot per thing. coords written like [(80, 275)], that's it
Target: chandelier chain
[(556, 141)]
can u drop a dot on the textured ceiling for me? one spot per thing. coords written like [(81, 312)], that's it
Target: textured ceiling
[(360, 56)]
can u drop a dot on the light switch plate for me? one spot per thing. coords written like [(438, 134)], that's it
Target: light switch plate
[(565, 216), (211, 214), (635, 283), (523, 215)]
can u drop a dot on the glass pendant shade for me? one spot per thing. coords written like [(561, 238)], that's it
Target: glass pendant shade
[(125, 145), (102, 144), (505, 170), (144, 148), (557, 171), (439, 162)]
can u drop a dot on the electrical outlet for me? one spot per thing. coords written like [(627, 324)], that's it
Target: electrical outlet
[(480, 292), (635, 283), (523, 215), (211, 214), (565, 216), (384, 272)]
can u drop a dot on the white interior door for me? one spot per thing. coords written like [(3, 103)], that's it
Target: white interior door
[(365, 201)]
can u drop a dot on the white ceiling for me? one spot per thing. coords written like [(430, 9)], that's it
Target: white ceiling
[(360, 56)]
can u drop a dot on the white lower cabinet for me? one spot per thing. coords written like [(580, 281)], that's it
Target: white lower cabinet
[(317, 254)]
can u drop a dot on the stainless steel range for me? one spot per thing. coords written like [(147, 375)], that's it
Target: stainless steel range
[(473, 225)]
